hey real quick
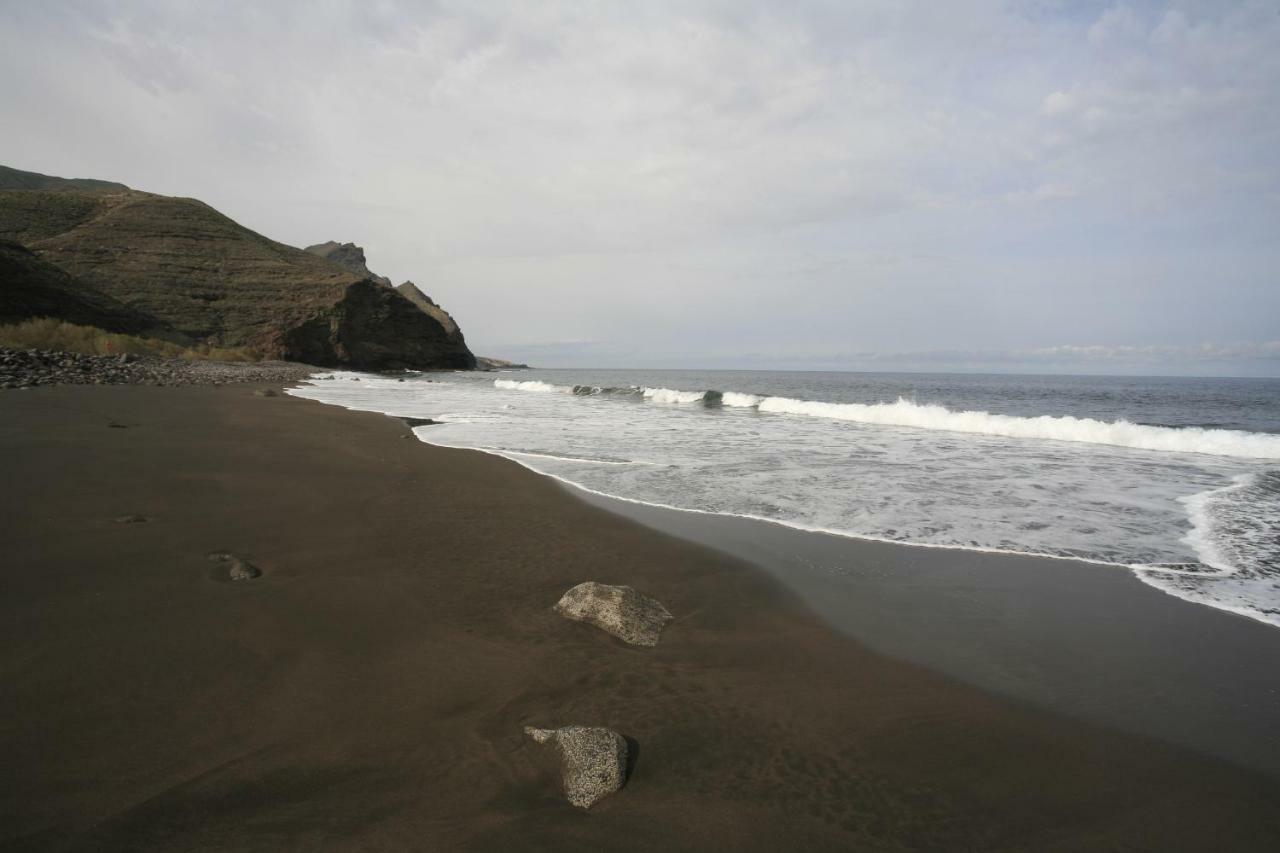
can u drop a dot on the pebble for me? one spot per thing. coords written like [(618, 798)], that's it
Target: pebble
[(20, 369)]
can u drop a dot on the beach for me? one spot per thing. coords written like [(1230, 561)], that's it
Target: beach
[(1085, 640), (370, 689)]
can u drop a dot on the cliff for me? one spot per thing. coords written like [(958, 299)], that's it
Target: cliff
[(215, 281), (411, 292), (349, 256)]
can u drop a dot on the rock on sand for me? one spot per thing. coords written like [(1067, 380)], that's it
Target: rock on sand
[(593, 761), (620, 610)]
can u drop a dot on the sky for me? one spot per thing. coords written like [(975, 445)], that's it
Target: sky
[(1030, 186)]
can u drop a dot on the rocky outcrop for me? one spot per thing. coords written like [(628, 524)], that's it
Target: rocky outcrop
[(619, 610), (375, 328), (349, 256), (593, 761), (218, 283), (30, 287), (410, 291)]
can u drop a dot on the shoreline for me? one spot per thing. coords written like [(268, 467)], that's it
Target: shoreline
[(1184, 563), (1148, 652), (1200, 677), (371, 687)]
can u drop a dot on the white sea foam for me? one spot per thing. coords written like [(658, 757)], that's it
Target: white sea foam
[(673, 395), (737, 400), (1220, 442), (559, 457), (1205, 538), (533, 385), (838, 468)]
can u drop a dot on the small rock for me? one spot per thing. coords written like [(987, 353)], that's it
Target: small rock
[(266, 392), (593, 761), (619, 610), (238, 568)]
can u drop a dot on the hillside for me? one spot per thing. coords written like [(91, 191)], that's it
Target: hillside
[(217, 282), (30, 287), (16, 179)]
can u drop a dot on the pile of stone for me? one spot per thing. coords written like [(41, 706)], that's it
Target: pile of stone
[(29, 368)]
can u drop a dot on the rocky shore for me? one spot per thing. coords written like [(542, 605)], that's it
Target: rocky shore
[(30, 368)]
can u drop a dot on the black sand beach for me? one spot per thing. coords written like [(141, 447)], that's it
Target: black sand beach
[(369, 690), (1083, 639)]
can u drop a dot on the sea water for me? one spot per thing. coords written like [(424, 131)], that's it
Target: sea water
[(1177, 480)]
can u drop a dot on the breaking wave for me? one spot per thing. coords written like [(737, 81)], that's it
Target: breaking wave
[(534, 385), (1219, 442), (671, 395), (905, 413), (744, 401)]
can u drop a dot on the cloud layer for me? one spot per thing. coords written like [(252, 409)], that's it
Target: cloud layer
[(687, 182)]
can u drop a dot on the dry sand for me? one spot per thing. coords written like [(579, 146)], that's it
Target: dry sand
[(369, 690)]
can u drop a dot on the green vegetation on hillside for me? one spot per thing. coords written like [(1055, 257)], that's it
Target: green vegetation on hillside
[(17, 179), (49, 334), (174, 268)]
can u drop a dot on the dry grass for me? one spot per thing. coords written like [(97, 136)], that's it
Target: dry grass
[(50, 334)]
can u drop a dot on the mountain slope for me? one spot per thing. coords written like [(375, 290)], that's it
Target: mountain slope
[(16, 179), (217, 282), (30, 287)]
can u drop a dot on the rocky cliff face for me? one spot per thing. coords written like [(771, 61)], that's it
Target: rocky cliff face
[(215, 281), (373, 326), (349, 256), (411, 292)]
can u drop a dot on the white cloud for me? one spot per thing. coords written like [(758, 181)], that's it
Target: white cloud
[(1058, 104), (1117, 24), (566, 171)]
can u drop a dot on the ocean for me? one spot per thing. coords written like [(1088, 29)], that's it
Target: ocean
[(1174, 479)]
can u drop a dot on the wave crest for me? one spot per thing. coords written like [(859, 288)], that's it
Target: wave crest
[(673, 395), (905, 413), (531, 385), (1219, 442)]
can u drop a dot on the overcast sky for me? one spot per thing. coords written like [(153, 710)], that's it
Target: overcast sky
[(1058, 186)]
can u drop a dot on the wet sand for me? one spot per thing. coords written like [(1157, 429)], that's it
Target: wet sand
[(1082, 639), (369, 690)]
